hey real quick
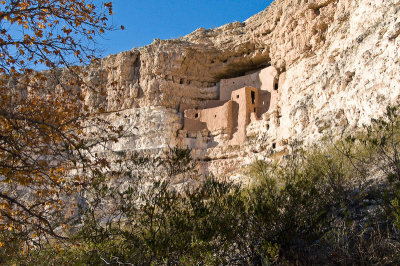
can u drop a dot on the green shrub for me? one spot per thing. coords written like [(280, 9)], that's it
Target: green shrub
[(337, 203)]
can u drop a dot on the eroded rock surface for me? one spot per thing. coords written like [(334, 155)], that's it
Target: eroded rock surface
[(337, 65)]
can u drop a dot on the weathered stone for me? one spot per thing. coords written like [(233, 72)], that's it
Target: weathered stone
[(328, 64)]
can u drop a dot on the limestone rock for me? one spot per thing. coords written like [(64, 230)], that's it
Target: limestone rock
[(337, 65)]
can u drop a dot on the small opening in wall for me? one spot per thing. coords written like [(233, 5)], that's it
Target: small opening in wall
[(253, 97), (196, 115), (181, 81), (215, 116), (276, 86), (274, 145), (237, 96), (255, 110), (268, 127)]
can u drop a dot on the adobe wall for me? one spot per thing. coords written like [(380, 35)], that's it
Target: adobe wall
[(276, 94), (218, 117), (214, 103), (268, 79), (193, 125), (246, 105), (212, 118), (205, 105), (264, 102), (264, 79), (227, 86), (191, 121)]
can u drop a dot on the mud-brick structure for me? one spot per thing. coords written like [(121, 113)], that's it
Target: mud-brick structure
[(232, 117), (241, 100), (265, 79), (245, 103), (217, 118)]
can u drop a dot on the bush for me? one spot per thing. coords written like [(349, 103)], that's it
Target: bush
[(334, 204)]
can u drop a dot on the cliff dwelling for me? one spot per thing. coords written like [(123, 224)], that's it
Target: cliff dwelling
[(241, 100)]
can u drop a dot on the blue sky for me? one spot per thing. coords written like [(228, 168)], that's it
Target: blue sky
[(145, 20)]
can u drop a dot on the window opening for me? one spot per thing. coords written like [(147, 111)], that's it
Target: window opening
[(196, 115), (273, 145), (276, 86), (237, 96), (253, 97), (255, 110)]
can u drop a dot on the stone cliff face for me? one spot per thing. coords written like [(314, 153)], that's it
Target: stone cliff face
[(337, 65)]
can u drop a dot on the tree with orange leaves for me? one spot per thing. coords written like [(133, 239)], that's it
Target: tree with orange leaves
[(45, 151)]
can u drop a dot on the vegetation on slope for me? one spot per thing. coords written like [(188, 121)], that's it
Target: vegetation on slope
[(337, 203)]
